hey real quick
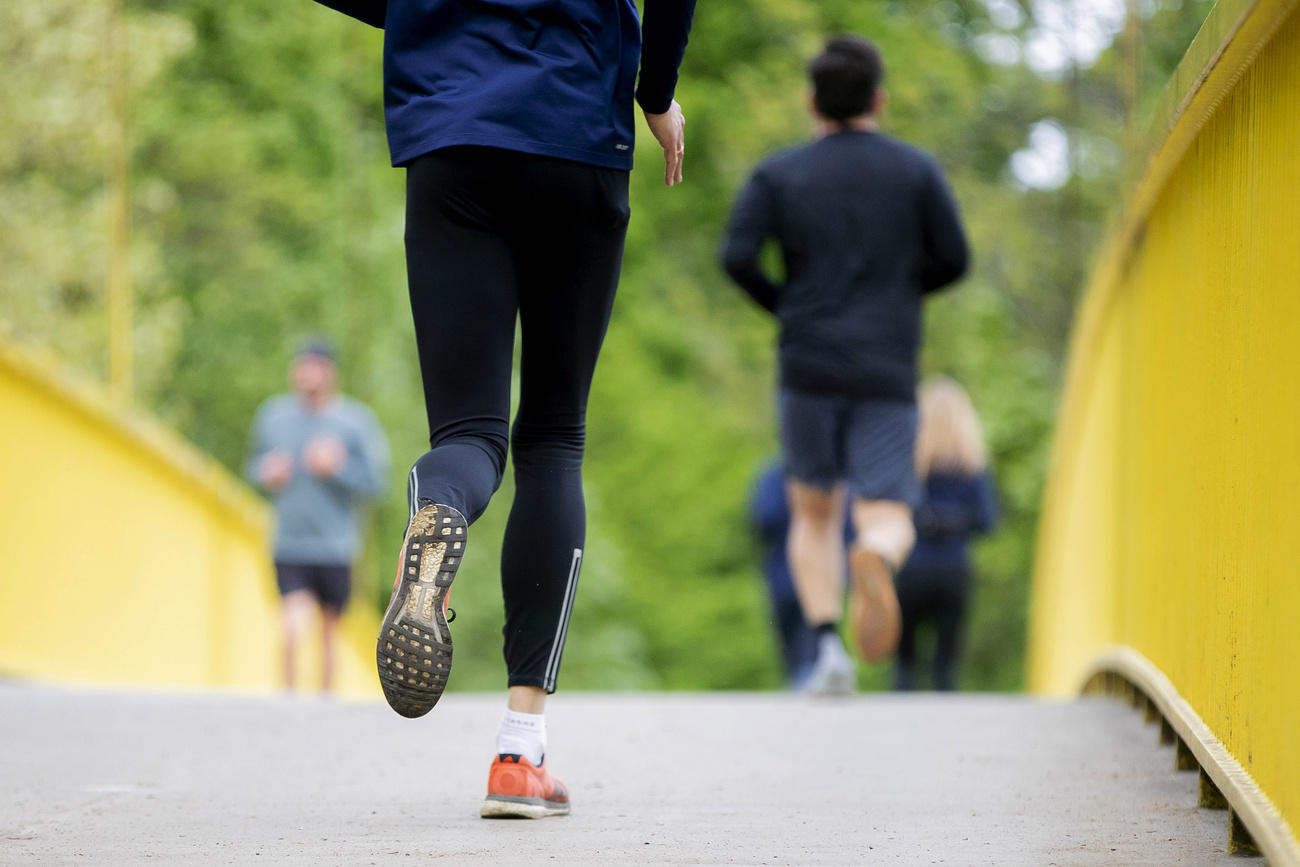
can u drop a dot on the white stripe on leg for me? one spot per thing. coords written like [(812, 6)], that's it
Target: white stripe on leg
[(562, 628)]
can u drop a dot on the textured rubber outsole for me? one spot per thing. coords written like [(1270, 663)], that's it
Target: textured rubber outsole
[(877, 619), (413, 653), (521, 808)]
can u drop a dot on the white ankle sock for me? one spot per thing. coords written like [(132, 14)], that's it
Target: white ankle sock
[(523, 734)]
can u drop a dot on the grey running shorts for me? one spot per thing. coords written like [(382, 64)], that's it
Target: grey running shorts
[(868, 444)]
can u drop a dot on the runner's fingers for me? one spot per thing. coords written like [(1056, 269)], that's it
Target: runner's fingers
[(674, 145), (681, 144), (679, 155)]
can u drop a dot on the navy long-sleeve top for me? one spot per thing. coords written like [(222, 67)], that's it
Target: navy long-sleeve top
[(549, 77), (867, 226), (955, 507)]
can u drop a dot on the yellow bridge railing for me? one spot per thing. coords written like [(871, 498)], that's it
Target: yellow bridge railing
[(128, 557), (1169, 549)]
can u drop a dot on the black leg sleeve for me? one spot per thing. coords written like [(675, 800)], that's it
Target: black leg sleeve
[(570, 250)]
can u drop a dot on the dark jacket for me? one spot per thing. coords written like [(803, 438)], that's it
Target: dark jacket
[(955, 507), (866, 225), (547, 77)]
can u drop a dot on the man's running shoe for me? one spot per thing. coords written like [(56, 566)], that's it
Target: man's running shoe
[(414, 649), (834, 672), (873, 605), (518, 789)]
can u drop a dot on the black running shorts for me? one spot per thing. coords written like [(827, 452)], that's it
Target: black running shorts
[(330, 583)]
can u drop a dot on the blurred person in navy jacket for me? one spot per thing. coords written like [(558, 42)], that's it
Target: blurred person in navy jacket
[(959, 501)]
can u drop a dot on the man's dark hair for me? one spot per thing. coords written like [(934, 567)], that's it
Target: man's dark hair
[(845, 77)]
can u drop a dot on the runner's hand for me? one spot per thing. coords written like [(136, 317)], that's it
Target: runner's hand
[(274, 470), (669, 130), (324, 456)]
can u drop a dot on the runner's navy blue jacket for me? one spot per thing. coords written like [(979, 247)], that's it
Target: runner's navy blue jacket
[(548, 77)]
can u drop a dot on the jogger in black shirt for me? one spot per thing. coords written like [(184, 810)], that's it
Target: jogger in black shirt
[(867, 227)]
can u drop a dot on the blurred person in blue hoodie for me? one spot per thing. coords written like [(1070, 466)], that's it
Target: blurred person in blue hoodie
[(958, 502)]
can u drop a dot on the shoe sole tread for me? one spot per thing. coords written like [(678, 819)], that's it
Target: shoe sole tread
[(510, 807), (413, 653)]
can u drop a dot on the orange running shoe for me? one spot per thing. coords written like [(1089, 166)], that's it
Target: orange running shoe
[(413, 653), (873, 605), (518, 789)]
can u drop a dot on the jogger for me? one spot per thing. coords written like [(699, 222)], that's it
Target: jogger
[(316, 453), (515, 122), (484, 246), (867, 227)]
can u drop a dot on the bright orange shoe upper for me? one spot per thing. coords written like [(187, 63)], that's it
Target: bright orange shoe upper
[(516, 777)]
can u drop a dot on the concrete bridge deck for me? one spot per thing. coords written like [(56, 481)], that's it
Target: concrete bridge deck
[(132, 778)]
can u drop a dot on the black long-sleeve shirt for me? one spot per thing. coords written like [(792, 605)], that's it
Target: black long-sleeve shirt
[(867, 226), (549, 77)]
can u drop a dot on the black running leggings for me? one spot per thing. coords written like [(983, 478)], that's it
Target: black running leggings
[(939, 596), (492, 235)]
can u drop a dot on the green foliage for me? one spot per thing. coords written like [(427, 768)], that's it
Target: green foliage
[(264, 209)]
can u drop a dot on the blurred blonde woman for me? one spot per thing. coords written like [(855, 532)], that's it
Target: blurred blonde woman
[(958, 501)]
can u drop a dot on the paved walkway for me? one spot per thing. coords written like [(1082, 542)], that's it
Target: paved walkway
[(132, 778)]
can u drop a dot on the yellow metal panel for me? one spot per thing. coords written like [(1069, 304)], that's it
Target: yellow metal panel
[(1078, 548), (128, 558), (1177, 466)]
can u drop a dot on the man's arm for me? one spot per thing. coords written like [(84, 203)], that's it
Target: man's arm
[(266, 466), (258, 446), (372, 12), (944, 242), (987, 509), (753, 221)]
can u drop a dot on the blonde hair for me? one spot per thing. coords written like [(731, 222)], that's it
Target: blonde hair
[(949, 437)]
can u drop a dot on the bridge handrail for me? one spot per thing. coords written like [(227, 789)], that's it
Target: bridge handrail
[(209, 479), (130, 557), (1159, 530)]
